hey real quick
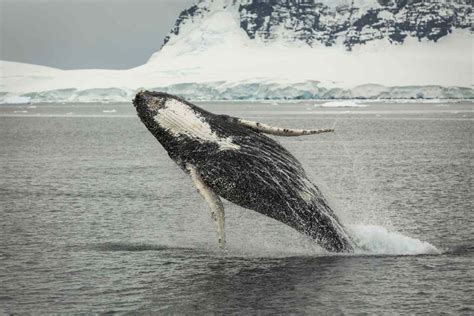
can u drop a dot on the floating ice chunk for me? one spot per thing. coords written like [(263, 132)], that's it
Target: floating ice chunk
[(341, 104), (15, 99)]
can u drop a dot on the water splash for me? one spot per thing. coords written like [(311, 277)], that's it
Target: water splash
[(373, 239), (280, 242), (369, 239)]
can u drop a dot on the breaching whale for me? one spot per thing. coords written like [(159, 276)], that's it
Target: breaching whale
[(231, 158)]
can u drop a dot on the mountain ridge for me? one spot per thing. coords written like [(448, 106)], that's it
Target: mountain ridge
[(355, 22)]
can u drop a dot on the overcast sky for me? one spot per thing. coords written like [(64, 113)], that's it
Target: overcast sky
[(70, 34)]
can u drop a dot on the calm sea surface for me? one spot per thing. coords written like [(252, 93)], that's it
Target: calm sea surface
[(95, 217)]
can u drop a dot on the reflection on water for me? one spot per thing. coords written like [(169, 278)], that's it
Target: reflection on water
[(97, 218)]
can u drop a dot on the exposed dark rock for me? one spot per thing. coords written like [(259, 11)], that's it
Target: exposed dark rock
[(315, 23)]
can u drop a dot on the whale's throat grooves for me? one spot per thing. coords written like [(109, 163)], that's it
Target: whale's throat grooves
[(179, 119)]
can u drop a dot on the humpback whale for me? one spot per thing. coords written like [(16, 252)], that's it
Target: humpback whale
[(232, 158)]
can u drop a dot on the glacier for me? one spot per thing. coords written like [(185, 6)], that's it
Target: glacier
[(213, 58)]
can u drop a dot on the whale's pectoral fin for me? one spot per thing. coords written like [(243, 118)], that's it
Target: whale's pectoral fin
[(215, 203), (267, 129)]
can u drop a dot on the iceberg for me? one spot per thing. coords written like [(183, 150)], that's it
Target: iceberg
[(213, 58)]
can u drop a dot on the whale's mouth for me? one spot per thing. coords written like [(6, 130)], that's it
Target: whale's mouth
[(140, 98), (139, 102)]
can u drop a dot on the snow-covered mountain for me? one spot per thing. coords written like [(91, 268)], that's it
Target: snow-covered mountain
[(283, 49), (349, 22)]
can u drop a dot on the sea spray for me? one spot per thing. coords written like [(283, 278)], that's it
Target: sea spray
[(373, 239)]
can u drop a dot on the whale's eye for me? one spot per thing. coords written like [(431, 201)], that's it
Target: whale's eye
[(156, 103)]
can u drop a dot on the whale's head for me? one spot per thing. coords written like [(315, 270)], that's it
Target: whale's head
[(172, 119), (148, 103)]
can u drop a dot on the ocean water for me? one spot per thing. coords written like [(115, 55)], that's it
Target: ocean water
[(95, 217)]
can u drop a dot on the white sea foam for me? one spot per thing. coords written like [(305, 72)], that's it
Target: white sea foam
[(373, 239), (110, 111)]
